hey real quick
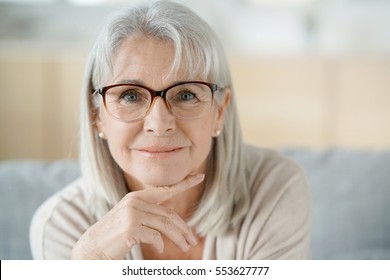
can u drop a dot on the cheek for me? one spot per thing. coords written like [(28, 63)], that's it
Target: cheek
[(119, 137), (200, 134), (201, 138), (200, 152)]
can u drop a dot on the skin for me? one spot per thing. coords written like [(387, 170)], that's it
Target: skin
[(164, 160)]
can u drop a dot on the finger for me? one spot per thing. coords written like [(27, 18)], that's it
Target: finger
[(153, 237), (173, 226), (167, 219), (167, 228), (150, 231), (159, 194), (149, 236)]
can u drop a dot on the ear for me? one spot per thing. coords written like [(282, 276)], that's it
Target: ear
[(99, 125), (222, 106)]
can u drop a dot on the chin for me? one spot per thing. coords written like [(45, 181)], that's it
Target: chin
[(142, 173), (139, 176), (161, 179)]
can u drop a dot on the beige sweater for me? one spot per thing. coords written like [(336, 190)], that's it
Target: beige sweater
[(277, 225)]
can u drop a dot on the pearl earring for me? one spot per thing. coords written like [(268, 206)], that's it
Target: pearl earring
[(218, 132), (101, 135)]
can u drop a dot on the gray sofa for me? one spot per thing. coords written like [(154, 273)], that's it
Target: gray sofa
[(350, 193)]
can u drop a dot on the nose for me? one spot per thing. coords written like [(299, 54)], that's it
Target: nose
[(159, 120)]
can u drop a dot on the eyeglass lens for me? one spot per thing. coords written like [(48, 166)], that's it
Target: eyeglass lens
[(131, 102)]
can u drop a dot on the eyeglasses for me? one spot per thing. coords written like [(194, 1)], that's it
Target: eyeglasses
[(131, 102)]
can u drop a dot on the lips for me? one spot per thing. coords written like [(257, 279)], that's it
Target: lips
[(159, 151)]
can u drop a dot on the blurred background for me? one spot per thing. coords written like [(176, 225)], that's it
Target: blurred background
[(307, 73)]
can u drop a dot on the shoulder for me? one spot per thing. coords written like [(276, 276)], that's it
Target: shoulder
[(272, 176), (279, 214), (59, 222), (270, 172), (263, 162)]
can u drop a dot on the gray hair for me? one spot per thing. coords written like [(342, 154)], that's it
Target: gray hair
[(226, 197)]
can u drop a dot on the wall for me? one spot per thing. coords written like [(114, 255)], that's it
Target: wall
[(292, 101), (312, 75), (315, 101), (39, 108)]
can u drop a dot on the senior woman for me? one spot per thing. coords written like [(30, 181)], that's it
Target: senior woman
[(165, 174)]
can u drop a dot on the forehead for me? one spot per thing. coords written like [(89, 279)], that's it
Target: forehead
[(147, 59)]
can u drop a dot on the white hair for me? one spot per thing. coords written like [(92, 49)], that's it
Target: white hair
[(226, 197)]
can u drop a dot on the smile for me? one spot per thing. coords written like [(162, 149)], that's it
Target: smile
[(159, 151)]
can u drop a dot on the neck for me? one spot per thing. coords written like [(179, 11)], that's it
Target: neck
[(186, 203)]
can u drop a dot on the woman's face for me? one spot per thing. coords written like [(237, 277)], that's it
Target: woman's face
[(159, 149)]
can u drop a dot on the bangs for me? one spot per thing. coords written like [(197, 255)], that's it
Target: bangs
[(191, 60), (197, 49)]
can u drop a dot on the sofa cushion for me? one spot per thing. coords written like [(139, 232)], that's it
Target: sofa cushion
[(351, 202), (24, 185), (350, 198)]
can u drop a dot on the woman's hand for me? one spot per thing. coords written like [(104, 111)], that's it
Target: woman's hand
[(138, 218)]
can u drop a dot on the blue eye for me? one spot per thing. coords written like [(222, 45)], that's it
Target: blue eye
[(187, 95), (129, 96)]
